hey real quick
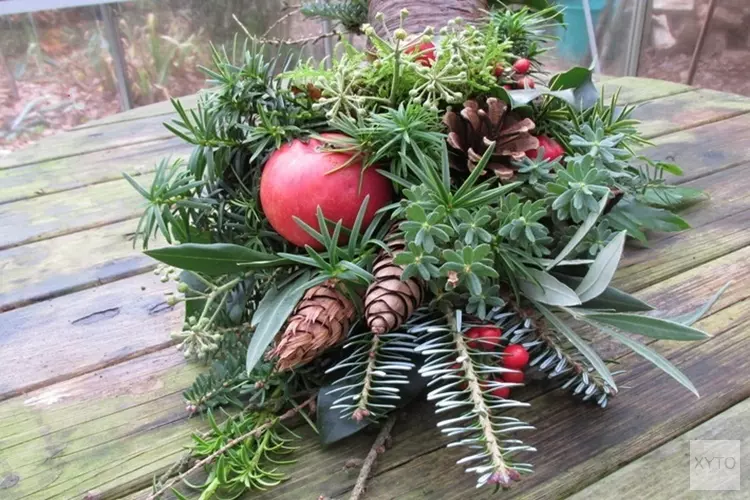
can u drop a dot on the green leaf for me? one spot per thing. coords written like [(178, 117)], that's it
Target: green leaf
[(193, 307), (571, 79), (271, 314), (215, 259), (580, 344), (610, 299), (647, 326), (671, 197), (657, 359), (548, 290), (580, 234), (600, 273), (690, 318)]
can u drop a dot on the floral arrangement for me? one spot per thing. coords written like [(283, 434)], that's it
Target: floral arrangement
[(431, 214)]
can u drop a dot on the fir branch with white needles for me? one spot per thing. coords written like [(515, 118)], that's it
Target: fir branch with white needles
[(375, 368), (464, 379)]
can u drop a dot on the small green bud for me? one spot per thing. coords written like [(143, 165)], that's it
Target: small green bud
[(183, 287), (172, 300), (459, 20), (192, 320), (426, 38), (404, 13), (164, 278), (413, 92), (379, 16), (400, 34), (369, 30), (429, 31)]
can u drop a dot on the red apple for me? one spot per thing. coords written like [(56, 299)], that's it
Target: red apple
[(425, 53), (300, 177), (552, 149)]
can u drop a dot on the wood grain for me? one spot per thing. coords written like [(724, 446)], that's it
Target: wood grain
[(637, 90), (78, 333), (162, 109), (664, 473), (99, 138), (63, 213), (106, 431), (54, 267), (74, 172)]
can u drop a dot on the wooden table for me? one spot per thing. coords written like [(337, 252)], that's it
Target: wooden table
[(90, 386)]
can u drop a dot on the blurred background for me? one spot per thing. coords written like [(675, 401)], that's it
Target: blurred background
[(65, 62)]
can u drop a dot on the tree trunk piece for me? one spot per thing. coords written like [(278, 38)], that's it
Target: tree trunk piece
[(423, 13)]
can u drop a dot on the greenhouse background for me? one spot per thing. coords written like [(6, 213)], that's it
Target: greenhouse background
[(65, 62)]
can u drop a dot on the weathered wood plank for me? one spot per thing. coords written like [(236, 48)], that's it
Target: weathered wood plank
[(636, 90), (664, 473), (78, 333), (134, 423), (707, 148), (157, 109), (100, 138), (50, 268), (688, 109), (67, 212), (576, 443), (93, 168)]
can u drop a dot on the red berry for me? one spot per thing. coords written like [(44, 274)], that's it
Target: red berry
[(425, 53), (522, 66), (552, 149), (526, 83), (501, 392), (498, 71), (514, 377), (515, 356), (508, 87), (299, 177), (485, 338)]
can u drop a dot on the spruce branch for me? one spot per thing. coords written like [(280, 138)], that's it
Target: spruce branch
[(378, 448)]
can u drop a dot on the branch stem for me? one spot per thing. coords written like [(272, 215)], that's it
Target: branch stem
[(377, 448)]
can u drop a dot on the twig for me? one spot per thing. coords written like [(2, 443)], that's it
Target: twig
[(378, 447), (281, 20), (285, 41), (234, 442)]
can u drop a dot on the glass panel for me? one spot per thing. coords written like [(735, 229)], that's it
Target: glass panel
[(58, 69), (673, 32)]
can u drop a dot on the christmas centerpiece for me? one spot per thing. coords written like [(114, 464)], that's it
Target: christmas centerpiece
[(430, 215)]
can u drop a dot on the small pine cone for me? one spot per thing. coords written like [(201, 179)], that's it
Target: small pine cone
[(320, 320), (389, 301)]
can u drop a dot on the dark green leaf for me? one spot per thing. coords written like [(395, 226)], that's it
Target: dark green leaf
[(215, 259), (647, 326), (610, 299), (657, 359), (193, 307)]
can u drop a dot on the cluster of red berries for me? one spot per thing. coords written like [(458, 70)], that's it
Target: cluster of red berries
[(518, 75), (515, 356)]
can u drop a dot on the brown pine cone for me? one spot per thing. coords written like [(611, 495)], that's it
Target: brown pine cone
[(477, 125), (320, 320), (389, 301)]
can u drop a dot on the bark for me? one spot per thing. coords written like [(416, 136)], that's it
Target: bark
[(423, 13)]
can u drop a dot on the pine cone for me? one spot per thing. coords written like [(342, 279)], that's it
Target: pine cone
[(480, 123), (389, 301), (320, 320)]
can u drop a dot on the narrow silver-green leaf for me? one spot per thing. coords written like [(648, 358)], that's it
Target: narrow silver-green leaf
[(580, 344), (600, 273), (690, 318), (273, 314), (656, 328), (610, 299), (583, 230), (548, 290), (657, 359)]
